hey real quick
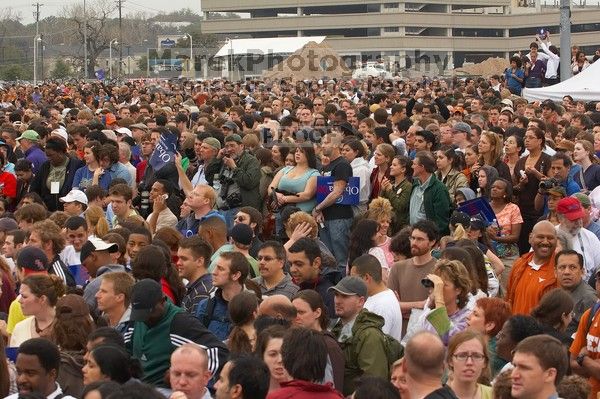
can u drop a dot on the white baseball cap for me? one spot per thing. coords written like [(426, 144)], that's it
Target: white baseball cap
[(125, 131), (75, 196), (60, 133)]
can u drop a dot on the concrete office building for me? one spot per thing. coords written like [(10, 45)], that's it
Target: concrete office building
[(446, 33)]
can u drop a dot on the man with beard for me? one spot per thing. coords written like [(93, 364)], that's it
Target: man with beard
[(532, 274), (405, 276), (570, 215)]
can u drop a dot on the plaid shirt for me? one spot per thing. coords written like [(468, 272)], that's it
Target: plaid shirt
[(195, 292)]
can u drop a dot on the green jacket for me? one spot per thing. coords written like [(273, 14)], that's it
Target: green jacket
[(399, 197), (437, 204), (247, 176), (364, 352)]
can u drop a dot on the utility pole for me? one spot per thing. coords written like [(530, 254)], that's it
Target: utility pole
[(120, 5), (565, 40), (36, 14), (42, 56), (85, 43)]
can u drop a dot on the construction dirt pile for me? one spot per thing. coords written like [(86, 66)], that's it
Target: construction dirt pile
[(313, 61), (486, 68)]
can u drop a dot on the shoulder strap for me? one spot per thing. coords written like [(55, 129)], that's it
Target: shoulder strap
[(593, 311), (210, 310), (583, 185)]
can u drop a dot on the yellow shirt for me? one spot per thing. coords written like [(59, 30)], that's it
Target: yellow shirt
[(15, 315)]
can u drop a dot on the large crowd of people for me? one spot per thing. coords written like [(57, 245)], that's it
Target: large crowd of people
[(314, 239)]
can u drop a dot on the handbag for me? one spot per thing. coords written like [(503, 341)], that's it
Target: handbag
[(272, 204)]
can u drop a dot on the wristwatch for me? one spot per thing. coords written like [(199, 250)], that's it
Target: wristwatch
[(580, 358)]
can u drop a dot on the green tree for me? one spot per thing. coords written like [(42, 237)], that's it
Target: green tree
[(61, 70), (15, 72), (142, 63)]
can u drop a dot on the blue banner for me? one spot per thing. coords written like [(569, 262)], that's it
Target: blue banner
[(100, 74), (164, 151), (479, 208), (349, 197)]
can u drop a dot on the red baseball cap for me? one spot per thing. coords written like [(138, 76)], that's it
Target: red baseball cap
[(571, 208)]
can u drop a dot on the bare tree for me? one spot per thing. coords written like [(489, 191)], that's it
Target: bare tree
[(101, 29)]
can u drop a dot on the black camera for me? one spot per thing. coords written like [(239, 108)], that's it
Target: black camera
[(548, 184), (427, 283)]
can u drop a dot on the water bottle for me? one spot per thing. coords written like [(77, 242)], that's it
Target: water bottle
[(496, 225)]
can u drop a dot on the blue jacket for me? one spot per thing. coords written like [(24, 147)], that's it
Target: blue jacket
[(37, 157), (218, 323)]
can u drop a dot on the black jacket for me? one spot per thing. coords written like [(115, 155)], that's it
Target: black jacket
[(39, 185)]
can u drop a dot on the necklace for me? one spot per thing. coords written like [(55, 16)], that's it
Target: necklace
[(39, 330)]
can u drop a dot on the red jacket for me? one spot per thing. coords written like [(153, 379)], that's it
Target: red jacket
[(298, 389)]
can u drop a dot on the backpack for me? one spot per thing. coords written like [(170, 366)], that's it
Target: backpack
[(593, 311), (393, 350)]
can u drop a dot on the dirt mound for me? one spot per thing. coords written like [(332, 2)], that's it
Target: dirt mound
[(486, 68), (313, 61)]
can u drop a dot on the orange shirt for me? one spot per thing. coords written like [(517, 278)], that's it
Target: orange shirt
[(526, 286), (592, 342)]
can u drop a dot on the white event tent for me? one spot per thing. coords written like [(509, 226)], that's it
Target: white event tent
[(585, 86)]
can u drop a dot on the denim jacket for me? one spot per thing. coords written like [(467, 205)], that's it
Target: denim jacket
[(219, 322)]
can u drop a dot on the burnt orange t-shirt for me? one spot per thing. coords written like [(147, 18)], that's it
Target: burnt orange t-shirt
[(526, 286), (591, 341)]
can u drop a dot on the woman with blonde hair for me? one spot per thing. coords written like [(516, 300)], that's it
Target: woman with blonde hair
[(96, 220), (468, 361), (381, 211), (588, 177), (383, 156), (490, 148), (446, 312)]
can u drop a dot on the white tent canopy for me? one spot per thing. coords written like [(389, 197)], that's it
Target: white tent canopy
[(585, 86), (271, 45)]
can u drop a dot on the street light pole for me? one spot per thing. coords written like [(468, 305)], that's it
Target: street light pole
[(85, 52), (110, 56), (565, 40), (230, 58), (191, 67), (36, 39)]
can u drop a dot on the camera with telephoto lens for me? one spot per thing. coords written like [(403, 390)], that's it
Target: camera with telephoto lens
[(548, 184), (427, 283)]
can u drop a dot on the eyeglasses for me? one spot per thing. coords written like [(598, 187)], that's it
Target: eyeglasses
[(265, 258), (463, 356)]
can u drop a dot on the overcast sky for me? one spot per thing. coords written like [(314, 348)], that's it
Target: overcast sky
[(53, 7)]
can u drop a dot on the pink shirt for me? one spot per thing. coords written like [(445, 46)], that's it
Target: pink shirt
[(511, 214)]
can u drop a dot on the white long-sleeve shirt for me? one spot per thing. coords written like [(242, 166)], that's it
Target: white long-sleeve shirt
[(553, 62)]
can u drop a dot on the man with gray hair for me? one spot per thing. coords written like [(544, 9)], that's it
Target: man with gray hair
[(189, 373), (423, 367), (570, 215)]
